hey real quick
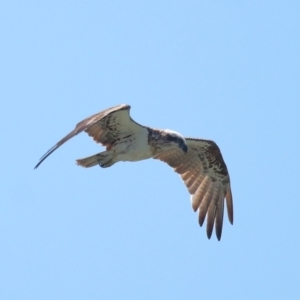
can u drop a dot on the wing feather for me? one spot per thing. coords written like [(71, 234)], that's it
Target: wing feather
[(212, 210), (211, 213), (194, 187), (229, 204), (202, 189), (205, 195), (104, 127), (205, 174), (219, 216)]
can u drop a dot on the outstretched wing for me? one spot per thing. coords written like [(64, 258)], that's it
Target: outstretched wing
[(205, 174), (105, 128)]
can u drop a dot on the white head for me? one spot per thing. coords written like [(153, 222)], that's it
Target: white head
[(176, 138)]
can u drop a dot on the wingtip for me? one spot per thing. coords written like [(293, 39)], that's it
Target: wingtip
[(37, 165), (229, 205), (201, 220), (219, 234), (209, 233)]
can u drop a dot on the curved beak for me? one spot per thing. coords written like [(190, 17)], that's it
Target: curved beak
[(184, 148)]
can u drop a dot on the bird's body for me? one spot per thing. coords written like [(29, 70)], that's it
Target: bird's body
[(133, 148), (199, 162)]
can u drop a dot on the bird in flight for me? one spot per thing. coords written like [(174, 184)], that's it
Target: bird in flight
[(199, 162)]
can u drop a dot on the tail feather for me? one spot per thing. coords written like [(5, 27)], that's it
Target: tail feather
[(104, 159), (87, 162)]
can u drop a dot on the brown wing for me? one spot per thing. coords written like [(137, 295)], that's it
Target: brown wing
[(205, 174), (105, 128)]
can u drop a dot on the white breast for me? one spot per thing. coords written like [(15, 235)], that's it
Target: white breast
[(134, 148)]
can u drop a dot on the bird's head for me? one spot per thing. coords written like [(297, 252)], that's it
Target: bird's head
[(174, 138)]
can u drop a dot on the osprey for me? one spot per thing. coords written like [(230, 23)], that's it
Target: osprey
[(199, 162)]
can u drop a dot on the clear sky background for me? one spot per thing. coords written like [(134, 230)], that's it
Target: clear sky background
[(222, 70)]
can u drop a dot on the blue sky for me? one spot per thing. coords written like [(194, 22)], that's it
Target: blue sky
[(222, 71)]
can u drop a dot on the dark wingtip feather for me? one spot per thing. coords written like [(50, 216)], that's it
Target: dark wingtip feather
[(229, 205), (201, 219), (218, 232), (46, 155), (209, 231), (219, 219), (211, 214)]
